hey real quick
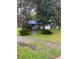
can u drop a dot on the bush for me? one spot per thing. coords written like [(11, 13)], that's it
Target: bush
[(46, 32), (25, 32)]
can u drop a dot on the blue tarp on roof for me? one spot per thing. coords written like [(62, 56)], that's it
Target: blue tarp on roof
[(32, 22)]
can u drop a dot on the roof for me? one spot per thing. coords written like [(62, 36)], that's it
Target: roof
[(37, 22), (32, 22)]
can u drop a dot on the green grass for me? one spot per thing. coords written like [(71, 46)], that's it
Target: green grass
[(46, 52), (55, 37), (27, 53)]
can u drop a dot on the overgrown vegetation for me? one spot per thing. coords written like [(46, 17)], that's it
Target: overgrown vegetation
[(27, 53)]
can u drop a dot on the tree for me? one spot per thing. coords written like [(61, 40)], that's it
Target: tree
[(45, 9), (24, 8), (49, 9)]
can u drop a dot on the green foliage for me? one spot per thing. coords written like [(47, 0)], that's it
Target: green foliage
[(18, 31), (50, 9), (46, 32), (44, 20), (25, 32)]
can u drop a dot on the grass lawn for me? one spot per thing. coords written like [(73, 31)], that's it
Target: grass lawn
[(27, 53), (55, 37), (46, 52)]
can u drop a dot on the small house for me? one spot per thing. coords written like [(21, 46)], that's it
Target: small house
[(38, 25), (33, 24)]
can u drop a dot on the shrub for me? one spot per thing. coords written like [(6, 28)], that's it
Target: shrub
[(25, 32), (46, 32)]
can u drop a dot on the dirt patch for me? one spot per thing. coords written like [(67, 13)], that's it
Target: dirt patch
[(55, 58), (27, 41)]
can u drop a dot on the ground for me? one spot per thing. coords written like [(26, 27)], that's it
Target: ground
[(39, 46)]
